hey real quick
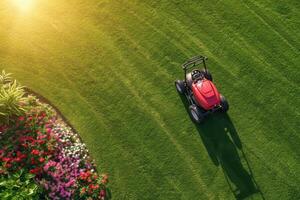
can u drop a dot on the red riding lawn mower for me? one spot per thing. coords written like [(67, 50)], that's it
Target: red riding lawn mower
[(199, 90)]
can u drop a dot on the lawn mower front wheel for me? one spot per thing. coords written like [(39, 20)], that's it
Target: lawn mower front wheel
[(196, 114), (224, 104), (180, 86)]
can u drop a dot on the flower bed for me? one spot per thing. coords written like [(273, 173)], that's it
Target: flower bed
[(42, 153)]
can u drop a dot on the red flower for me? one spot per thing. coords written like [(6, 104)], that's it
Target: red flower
[(32, 161), (20, 156), (7, 165), (84, 175), (93, 187), (102, 193), (35, 152), (21, 118), (5, 159), (41, 159), (35, 170)]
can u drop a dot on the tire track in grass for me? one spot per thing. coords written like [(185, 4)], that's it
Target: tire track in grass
[(260, 61), (84, 99), (221, 65), (144, 99), (252, 7), (270, 169), (292, 86), (160, 72), (242, 87), (138, 76), (190, 37), (241, 47), (104, 122), (243, 43), (157, 118), (154, 114), (278, 75), (271, 28), (98, 119), (132, 10), (283, 22), (91, 108)]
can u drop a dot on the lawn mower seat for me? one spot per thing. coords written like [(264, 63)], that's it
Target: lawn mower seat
[(196, 74)]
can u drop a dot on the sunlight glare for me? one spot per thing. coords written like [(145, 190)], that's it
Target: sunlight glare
[(23, 5)]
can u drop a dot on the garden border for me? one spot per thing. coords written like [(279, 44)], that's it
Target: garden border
[(43, 99)]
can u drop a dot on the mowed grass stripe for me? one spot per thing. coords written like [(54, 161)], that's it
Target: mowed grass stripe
[(140, 76), (254, 11), (118, 61), (142, 103), (277, 20), (127, 72), (260, 63)]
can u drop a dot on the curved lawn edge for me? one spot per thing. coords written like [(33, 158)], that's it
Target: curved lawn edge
[(60, 116), (41, 147), (43, 99)]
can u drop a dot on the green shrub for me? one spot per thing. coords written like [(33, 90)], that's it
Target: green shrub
[(19, 186), (5, 77), (11, 96)]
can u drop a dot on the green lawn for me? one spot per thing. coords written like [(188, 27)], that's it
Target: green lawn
[(110, 67)]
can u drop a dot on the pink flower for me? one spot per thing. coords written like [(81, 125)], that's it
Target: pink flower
[(102, 193), (48, 130)]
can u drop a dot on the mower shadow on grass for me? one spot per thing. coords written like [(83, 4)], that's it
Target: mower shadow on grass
[(225, 149)]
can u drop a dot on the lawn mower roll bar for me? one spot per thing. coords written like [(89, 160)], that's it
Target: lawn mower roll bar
[(194, 61)]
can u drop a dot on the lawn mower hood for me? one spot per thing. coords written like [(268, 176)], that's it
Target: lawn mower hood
[(206, 94)]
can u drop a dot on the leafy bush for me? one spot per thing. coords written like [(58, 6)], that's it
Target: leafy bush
[(5, 77), (11, 96), (19, 186)]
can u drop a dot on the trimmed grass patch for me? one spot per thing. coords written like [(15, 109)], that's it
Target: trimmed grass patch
[(110, 68)]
